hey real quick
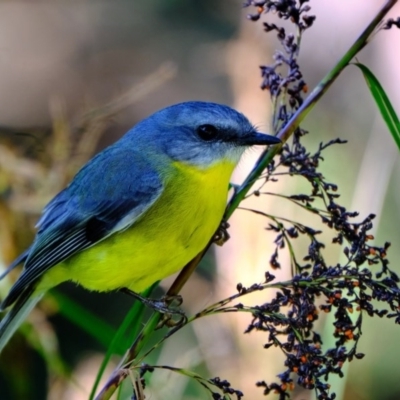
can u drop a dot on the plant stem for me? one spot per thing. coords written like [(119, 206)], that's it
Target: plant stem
[(267, 156)]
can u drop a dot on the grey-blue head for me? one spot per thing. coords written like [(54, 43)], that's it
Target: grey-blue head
[(199, 133)]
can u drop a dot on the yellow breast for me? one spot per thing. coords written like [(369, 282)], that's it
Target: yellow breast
[(173, 231)]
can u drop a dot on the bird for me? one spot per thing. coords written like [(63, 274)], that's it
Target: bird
[(139, 210)]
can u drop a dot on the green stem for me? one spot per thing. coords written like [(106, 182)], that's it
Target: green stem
[(267, 156)]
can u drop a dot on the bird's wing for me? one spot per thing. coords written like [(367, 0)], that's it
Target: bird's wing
[(107, 196)]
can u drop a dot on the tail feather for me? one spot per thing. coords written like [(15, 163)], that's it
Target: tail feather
[(22, 258), (22, 307)]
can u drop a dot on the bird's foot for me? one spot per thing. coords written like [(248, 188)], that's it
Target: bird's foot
[(174, 316), (235, 187), (168, 306), (222, 235)]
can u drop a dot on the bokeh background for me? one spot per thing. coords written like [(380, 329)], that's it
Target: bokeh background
[(75, 75)]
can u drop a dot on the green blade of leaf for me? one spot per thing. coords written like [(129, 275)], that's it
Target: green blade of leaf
[(382, 101), (88, 322), (119, 342)]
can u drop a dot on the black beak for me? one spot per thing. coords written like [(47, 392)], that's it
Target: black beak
[(255, 138)]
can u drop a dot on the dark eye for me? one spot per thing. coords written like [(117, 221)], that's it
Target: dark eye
[(207, 132)]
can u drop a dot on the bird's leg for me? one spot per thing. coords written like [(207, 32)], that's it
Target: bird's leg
[(222, 235), (164, 306)]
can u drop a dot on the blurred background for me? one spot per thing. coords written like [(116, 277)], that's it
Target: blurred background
[(75, 75)]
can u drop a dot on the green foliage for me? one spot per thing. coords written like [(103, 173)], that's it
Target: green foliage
[(382, 102), (128, 330), (89, 323)]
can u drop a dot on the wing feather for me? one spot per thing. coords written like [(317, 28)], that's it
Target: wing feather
[(108, 195)]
